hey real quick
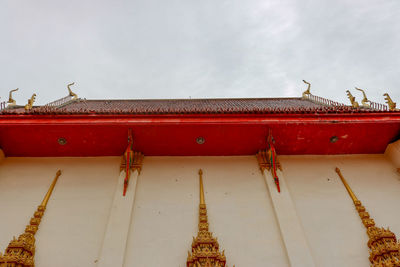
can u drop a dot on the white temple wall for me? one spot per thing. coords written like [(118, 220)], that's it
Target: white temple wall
[(240, 213), (332, 226), (165, 211), (393, 153), (74, 222)]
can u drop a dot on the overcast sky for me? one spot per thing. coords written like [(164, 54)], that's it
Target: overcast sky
[(199, 48)]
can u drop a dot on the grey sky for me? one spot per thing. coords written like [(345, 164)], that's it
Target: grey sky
[(203, 49)]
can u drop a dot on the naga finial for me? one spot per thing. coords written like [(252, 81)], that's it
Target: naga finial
[(389, 101), (353, 101), (74, 96), (11, 101), (365, 102), (307, 92), (30, 102)]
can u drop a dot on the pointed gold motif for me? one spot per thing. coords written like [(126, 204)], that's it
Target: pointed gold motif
[(389, 101), (352, 99), (205, 247), (21, 252), (383, 245), (307, 92), (74, 96), (365, 102), (202, 201), (11, 100), (30, 102)]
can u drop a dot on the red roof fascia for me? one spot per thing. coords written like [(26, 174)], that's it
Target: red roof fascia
[(175, 135), (199, 118)]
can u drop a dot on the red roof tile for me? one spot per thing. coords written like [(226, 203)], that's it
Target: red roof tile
[(189, 106)]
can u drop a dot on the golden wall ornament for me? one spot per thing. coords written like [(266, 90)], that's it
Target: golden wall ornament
[(365, 101), (11, 101), (205, 247), (30, 102), (352, 99), (384, 250), (21, 252), (389, 102), (307, 92), (74, 96)]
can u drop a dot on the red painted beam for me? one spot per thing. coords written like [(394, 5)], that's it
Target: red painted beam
[(173, 135)]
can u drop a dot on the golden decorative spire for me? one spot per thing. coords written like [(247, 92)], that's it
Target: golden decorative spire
[(365, 102), (21, 252), (74, 96), (202, 201), (352, 99), (389, 101), (307, 92), (30, 102), (11, 100), (382, 243), (205, 247)]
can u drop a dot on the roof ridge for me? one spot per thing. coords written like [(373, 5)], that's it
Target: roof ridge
[(192, 99)]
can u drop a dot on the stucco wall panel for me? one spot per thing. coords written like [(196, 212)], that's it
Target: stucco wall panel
[(72, 227), (330, 221), (166, 212)]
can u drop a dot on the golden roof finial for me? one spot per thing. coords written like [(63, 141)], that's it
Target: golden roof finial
[(352, 99), (389, 101), (307, 92), (30, 102), (205, 247), (365, 100), (384, 249), (11, 101), (74, 96), (21, 251)]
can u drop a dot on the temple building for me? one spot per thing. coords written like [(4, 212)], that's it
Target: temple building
[(302, 181)]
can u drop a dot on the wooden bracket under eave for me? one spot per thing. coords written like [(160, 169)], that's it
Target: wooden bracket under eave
[(137, 162), (264, 162)]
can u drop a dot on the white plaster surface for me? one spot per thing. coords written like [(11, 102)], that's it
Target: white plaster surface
[(165, 213), (393, 153), (119, 221), (240, 213), (330, 221), (292, 233), (73, 225)]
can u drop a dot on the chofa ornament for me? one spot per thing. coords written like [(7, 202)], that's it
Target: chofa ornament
[(30, 102)]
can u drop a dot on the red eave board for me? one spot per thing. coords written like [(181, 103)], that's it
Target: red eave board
[(175, 135)]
